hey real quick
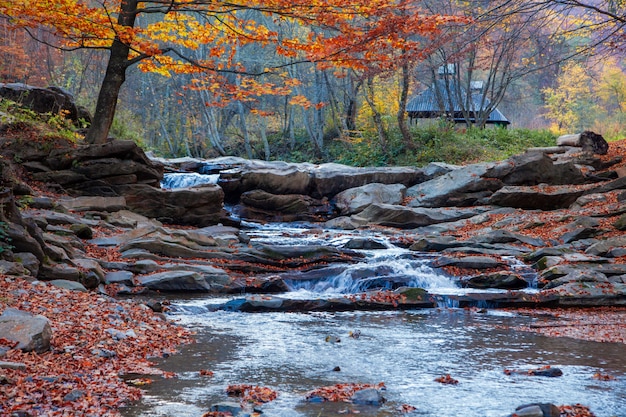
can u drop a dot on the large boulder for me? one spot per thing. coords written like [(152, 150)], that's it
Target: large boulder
[(32, 332), (282, 180), (265, 206), (53, 100), (461, 187), (535, 167), (199, 206), (175, 281), (355, 200), (330, 179)]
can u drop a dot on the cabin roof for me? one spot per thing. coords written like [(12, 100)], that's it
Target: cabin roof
[(428, 104)]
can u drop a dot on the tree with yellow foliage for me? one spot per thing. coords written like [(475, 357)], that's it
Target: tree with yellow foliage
[(570, 103)]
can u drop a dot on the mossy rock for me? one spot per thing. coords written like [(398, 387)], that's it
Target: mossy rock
[(414, 294), (82, 231)]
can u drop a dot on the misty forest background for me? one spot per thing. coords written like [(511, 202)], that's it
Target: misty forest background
[(549, 74)]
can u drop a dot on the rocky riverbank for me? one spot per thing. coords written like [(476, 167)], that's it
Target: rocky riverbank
[(86, 223)]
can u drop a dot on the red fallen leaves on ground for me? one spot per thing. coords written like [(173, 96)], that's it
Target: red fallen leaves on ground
[(252, 393), (81, 373), (341, 392), (600, 324), (576, 410), (206, 372), (111, 254), (446, 379), (384, 297)]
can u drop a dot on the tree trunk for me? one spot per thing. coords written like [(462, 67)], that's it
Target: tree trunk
[(244, 129), (378, 119), (113, 79), (404, 94)]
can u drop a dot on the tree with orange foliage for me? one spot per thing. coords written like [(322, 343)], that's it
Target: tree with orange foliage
[(159, 36)]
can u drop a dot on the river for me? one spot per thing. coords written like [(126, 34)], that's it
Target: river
[(294, 353)]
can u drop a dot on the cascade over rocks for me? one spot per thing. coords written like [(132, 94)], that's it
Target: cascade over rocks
[(479, 221)]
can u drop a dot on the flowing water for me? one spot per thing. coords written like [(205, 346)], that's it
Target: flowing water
[(406, 350)]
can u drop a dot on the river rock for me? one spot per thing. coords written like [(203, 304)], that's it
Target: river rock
[(22, 241), (265, 206), (331, 179), (533, 168), (13, 268), (368, 396), (355, 200), (617, 184), (229, 408), (199, 206), (537, 410), (437, 169), (468, 262), (28, 261), (288, 179), (499, 280), (364, 243), (68, 285), (119, 277), (32, 332), (435, 243), (603, 247), (175, 281), (585, 294), (541, 197), (409, 218), (93, 203), (577, 275), (49, 272), (448, 189), (505, 236)]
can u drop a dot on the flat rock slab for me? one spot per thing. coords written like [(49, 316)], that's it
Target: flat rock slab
[(266, 303), (94, 203), (469, 262), (410, 218), (175, 281), (538, 197)]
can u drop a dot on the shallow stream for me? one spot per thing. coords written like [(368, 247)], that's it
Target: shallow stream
[(294, 353)]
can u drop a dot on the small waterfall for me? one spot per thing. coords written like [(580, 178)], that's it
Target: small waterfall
[(187, 179), (385, 273)]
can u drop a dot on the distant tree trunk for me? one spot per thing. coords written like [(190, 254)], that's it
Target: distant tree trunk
[(244, 129), (263, 134), (404, 94), (351, 104), (376, 116), (113, 79)]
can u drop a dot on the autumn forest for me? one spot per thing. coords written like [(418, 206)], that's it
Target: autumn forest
[(318, 80)]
